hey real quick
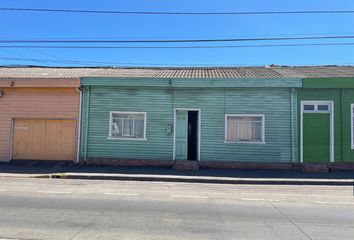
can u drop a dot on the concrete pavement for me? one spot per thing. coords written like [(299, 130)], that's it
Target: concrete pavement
[(82, 209), (39, 169)]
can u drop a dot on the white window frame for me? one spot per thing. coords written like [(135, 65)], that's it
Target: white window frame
[(316, 103), (245, 115), (351, 124), (126, 138)]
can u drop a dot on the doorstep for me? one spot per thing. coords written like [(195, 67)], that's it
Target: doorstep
[(186, 165)]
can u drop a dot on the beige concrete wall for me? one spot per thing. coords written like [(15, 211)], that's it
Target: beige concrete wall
[(34, 103)]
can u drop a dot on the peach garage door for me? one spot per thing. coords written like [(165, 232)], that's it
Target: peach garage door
[(43, 139)]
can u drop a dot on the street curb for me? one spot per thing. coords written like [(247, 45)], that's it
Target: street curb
[(191, 179)]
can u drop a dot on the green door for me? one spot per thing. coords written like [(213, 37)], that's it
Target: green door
[(181, 135), (316, 137)]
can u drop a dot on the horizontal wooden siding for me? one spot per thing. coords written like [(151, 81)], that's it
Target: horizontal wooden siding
[(214, 104)]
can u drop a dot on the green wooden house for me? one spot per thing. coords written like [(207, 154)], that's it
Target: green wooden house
[(326, 120), (158, 116)]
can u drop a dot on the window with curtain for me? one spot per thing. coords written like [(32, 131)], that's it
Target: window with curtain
[(127, 125), (244, 128)]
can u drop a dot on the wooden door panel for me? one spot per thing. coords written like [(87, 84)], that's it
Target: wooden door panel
[(20, 139), (67, 140), (181, 135), (316, 137)]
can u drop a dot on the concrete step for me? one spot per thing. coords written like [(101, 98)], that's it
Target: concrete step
[(315, 168), (186, 165)]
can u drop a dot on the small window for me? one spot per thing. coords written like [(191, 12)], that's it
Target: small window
[(323, 107), (316, 107), (245, 128), (308, 107), (128, 125)]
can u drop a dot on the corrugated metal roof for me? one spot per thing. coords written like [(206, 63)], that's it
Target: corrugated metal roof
[(179, 72)]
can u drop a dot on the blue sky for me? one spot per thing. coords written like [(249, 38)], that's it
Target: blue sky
[(29, 25)]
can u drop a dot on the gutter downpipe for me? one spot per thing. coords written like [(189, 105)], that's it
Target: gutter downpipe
[(79, 128), (341, 123), (292, 92), (87, 122)]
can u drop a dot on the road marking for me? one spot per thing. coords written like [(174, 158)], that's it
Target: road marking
[(121, 194), (3, 190), (253, 199), (339, 203), (54, 192), (188, 196)]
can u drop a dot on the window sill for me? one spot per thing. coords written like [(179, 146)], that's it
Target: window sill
[(229, 142), (128, 139)]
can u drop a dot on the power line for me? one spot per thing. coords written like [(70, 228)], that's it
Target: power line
[(177, 40), (180, 47), (58, 61), (95, 63), (122, 64), (178, 13), (83, 63)]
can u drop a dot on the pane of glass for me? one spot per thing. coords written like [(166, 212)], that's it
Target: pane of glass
[(137, 116), (309, 107), (323, 108), (353, 128), (253, 118), (231, 130), (128, 127), (115, 115), (244, 131), (256, 131), (116, 130), (120, 115), (139, 128), (234, 119)]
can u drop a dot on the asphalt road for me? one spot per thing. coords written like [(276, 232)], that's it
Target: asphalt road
[(79, 209)]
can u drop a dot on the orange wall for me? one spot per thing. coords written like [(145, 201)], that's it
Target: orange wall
[(40, 82), (49, 103)]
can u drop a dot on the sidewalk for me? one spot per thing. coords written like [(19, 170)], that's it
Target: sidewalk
[(64, 170)]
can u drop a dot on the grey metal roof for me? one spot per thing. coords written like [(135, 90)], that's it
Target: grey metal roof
[(179, 72)]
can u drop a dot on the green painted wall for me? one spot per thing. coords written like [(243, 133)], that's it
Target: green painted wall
[(328, 83), (214, 103), (342, 98)]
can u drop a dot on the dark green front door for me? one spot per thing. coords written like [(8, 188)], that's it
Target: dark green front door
[(316, 137)]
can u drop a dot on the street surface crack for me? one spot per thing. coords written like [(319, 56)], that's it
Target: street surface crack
[(93, 220), (287, 218)]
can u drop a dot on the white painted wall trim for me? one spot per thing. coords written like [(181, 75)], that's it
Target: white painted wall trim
[(174, 128), (331, 105)]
